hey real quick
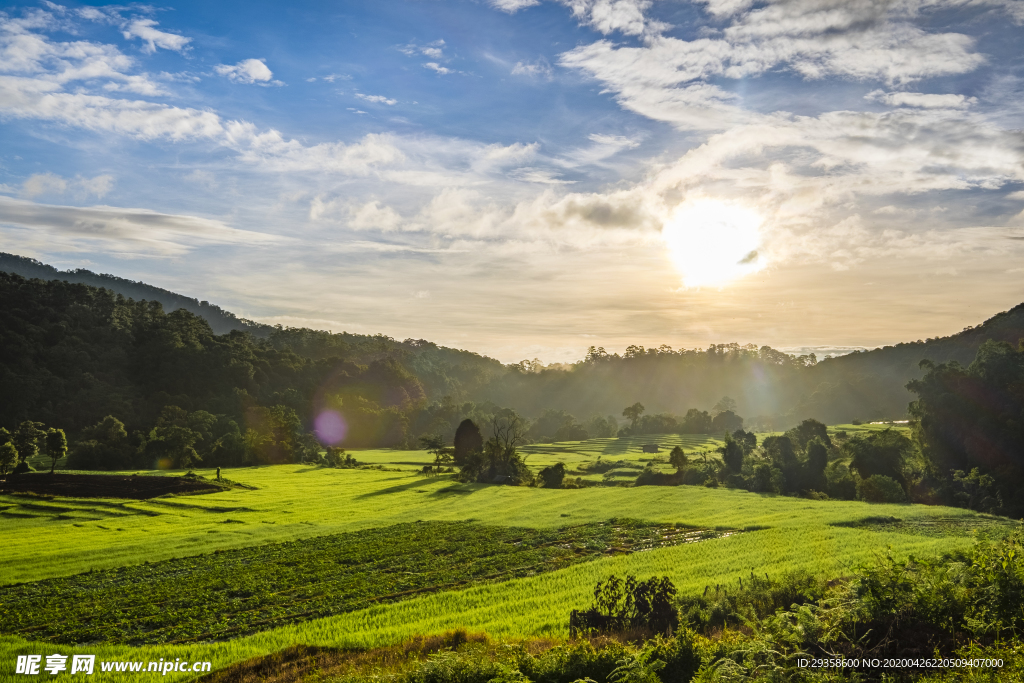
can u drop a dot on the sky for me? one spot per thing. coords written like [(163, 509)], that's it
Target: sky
[(524, 178)]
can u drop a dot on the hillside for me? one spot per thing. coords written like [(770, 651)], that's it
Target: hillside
[(221, 321), (773, 390), (70, 354)]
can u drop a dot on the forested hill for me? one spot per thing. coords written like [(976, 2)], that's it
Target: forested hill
[(221, 321), (71, 354), (773, 390), (871, 384)]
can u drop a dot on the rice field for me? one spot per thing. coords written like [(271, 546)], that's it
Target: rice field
[(46, 538)]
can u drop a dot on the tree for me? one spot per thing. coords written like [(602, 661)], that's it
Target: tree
[(970, 418), (26, 439), (254, 444), (553, 476), (500, 462), (633, 413), (976, 491), (549, 423), (807, 430), (747, 440), (882, 453), (732, 455), (103, 446), (696, 422), (781, 454), (468, 440), (8, 457), (817, 458), (880, 489), (435, 446), (726, 421), (56, 446), (677, 458), (623, 605), (725, 404)]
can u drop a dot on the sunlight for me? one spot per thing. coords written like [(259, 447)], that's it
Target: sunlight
[(712, 243)]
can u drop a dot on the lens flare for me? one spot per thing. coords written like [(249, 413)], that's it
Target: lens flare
[(330, 427), (712, 243)]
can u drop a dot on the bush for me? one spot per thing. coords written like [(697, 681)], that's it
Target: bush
[(680, 654), (736, 481), (881, 489), (23, 467), (839, 483), (553, 476), (628, 605), (652, 477)]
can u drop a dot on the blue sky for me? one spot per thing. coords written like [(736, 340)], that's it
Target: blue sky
[(526, 178)]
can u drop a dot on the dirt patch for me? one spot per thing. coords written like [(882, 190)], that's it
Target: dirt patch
[(104, 485)]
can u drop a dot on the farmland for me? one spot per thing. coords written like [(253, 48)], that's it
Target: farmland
[(312, 515), (231, 593)]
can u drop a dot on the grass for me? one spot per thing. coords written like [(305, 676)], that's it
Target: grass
[(537, 605), (47, 537), (227, 594)]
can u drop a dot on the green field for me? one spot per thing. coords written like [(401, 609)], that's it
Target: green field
[(48, 538)]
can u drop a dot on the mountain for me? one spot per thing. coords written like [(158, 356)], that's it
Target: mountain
[(773, 390), (221, 321), (872, 384)]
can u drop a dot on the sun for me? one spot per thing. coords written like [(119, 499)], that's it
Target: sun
[(712, 242)]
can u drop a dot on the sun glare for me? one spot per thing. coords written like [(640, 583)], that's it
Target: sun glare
[(712, 242)]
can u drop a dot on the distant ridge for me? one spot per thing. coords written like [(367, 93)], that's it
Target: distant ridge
[(220, 321), (1007, 326)]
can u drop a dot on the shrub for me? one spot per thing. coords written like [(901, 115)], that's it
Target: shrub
[(337, 457), (755, 598), (680, 654), (628, 605), (553, 476), (652, 477), (879, 488), (839, 483), (23, 467), (736, 481)]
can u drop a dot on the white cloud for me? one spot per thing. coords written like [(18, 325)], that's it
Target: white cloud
[(271, 151), (608, 16), (433, 51), (39, 99), (153, 38), (513, 6), (126, 230), (537, 69), (52, 184), (502, 155), (619, 141), (434, 66), (922, 100), (377, 99), (667, 78), (602, 147), (248, 71), (43, 183), (542, 176), (373, 215)]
